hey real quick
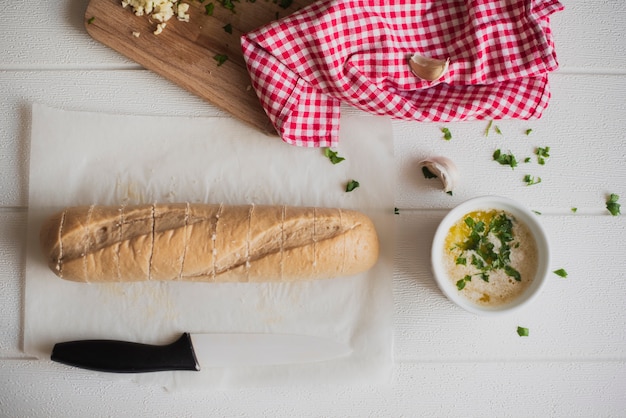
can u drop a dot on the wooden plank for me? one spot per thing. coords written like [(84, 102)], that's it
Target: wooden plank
[(185, 51), (518, 389)]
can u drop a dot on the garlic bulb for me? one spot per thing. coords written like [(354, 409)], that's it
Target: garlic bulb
[(444, 169), (429, 69)]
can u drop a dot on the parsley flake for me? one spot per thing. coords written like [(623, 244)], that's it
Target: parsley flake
[(488, 128), (522, 332), (528, 131), (530, 180), (228, 5), (461, 283), (220, 58), (352, 184), (333, 156), (505, 159), (497, 129), (612, 205), (228, 28), (542, 154), (209, 9), (560, 273), (91, 19), (447, 135)]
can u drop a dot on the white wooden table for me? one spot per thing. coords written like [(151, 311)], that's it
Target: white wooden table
[(447, 362)]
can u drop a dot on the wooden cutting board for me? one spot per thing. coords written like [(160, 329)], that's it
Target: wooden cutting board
[(184, 52)]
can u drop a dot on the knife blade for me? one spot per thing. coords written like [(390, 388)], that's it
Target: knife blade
[(193, 351)]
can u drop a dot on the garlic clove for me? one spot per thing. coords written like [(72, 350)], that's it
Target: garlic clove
[(444, 169), (429, 69)]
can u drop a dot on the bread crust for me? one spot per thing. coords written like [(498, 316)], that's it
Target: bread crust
[(207, 242)]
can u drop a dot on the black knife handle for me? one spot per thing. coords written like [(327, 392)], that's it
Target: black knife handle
[(127, 357)]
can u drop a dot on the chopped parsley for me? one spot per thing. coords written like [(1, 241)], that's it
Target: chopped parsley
[(560, 273), (220, 58), (527, 159), (333, 156), (208, 8), (447, 135), (574, 210), (352, 184), (522, 332), (497, 129), (461, 283), (228, 5), (228, 28), (91, 19), (528, 131), (530, 180), (505, 159), (488, 128), (481, 251), (542, 154), (284, 3), (612, 205)]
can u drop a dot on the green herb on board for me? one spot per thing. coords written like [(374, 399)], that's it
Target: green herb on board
[(228, 28), (560, 273), (91, 19), (228, 5), (505, 159), (542, 154), (574, 210), (612, 205), (536, 212), (352, 184), (447, 135), (527, 159), (530, 180), (522, 332), (497, 129), (220, 58), (284, 3), (208, 8), (528, 131), (333, 156)]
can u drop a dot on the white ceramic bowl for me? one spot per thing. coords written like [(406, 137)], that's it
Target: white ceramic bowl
[(523, 215)]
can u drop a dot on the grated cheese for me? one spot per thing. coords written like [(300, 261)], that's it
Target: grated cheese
[(159, 10)]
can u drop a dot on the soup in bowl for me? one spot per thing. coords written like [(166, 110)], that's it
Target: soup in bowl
[(490, 255)]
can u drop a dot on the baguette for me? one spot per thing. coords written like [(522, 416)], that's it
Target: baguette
[(206, 242)]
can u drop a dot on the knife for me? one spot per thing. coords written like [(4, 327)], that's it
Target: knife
[(191, 351)]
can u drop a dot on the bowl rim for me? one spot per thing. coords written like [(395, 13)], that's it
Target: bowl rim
[(524, 215)]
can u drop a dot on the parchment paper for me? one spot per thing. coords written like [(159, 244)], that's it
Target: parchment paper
[(80, 158)]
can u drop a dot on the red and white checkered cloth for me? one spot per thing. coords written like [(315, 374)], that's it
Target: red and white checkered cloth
[(356, 51)]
